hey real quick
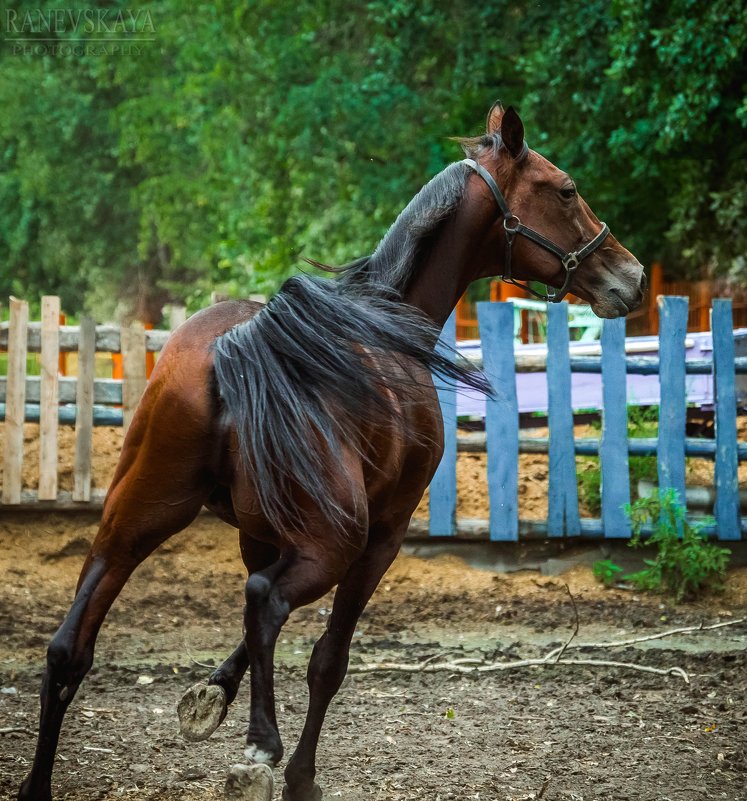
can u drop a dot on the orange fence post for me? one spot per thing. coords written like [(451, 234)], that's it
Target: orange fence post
[(656, 288), (150, 357), (704, 305), (117, 367), (62, 358), (466, 324)]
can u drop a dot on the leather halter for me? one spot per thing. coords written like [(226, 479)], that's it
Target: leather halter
[(512, 225)]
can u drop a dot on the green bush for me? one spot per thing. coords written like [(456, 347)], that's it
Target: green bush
[(606, 571), (686, 564)]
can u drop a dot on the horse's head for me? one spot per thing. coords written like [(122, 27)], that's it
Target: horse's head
[(544, 229)]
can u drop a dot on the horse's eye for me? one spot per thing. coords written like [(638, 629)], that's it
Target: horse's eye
[(568, 192)]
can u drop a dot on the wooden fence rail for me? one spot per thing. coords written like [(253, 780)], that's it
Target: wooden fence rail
[(86, 401)]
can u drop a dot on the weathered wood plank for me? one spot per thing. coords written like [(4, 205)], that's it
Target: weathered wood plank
[(108, 338), (476, 442), (477, 529), (563, 516), (102, 415), (177, 315), (105, 390), (133, 365), (501, 419), (614, 448), (442, 496), (14, 412), (726, 509), (635, 365), (84, 411), (50, 361), (673, 408)]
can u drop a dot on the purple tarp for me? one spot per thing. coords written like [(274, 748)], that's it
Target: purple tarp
[(586, 388)]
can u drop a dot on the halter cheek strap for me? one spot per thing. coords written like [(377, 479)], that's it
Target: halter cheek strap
[(513, 226)]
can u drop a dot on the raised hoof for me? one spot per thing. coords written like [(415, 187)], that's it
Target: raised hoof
[(249, 783), (314, 793), (201, 710)]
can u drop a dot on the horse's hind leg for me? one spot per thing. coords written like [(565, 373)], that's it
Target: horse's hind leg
[(203, 707), (329, 660), (298, 577), (142, 510)]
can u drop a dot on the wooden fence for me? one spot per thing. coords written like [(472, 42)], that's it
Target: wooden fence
[(51, 400), (503, 442), (86, 401)]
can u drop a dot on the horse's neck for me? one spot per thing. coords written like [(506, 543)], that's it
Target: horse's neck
[(456, 258)]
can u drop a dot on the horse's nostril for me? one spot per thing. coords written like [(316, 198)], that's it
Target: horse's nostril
[(644, 283)]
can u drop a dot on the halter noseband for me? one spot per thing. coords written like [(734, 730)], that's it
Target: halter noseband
[(512, 225)]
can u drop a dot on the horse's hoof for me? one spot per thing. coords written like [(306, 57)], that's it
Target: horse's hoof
[(28, 793), (201, 710), (249, 783), (313, 793)]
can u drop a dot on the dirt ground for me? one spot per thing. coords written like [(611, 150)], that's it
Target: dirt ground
[(570, 733)]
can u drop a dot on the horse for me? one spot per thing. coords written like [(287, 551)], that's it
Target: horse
[(311, 424)]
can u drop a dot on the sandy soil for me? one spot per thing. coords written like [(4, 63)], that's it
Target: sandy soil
[(580, 732)]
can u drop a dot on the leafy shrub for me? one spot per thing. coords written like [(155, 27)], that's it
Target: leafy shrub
[(685, 565), (606, 571)]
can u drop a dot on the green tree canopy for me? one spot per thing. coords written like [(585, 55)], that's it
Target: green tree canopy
[(239, 139)]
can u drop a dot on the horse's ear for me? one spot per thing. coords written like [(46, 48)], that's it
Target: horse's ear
[(512, 132), (493, 122)]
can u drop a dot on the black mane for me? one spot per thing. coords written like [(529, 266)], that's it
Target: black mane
[(396, 258)]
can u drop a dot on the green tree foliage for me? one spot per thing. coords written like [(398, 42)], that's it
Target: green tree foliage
[(245, 136), (646, 102)]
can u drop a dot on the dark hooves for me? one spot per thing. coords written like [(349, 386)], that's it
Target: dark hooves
[(26, 793), (201, 710), (313, 793)]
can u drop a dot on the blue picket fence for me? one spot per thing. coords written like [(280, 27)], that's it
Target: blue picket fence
[(503, 442)]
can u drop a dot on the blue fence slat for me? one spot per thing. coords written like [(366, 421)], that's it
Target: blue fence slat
[(562, 513), (442, 497), (613, 451), (673, 404), (501, 418), (726, 508)]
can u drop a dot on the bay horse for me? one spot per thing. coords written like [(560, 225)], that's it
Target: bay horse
[(312, 425)]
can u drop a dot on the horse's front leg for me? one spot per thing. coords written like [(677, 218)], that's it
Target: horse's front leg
[(329, 660)]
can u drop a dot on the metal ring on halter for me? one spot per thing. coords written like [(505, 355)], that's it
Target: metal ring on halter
[(511, 229), (570, 262)]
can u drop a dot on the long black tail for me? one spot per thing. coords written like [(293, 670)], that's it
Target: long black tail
[(299, 377)]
